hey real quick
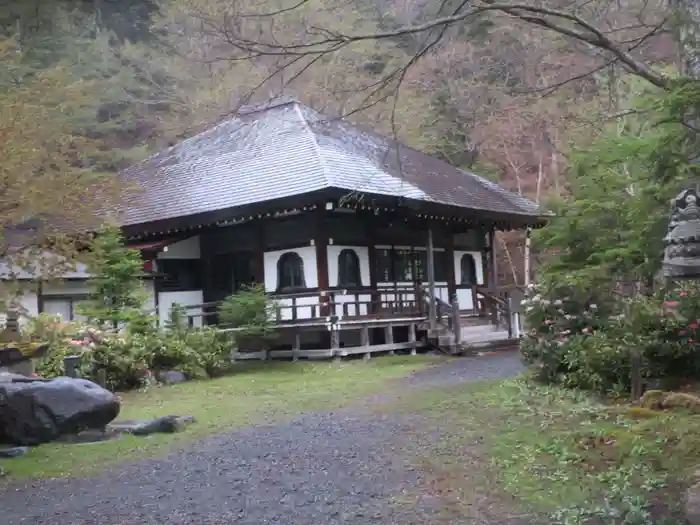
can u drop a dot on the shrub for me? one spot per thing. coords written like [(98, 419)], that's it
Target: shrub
[(581, 344), (251, 311), (213, 349), (129, 357)]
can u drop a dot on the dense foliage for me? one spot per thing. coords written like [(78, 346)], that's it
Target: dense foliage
[(599, 296), (121, 337), (583, 344), (134, 357)]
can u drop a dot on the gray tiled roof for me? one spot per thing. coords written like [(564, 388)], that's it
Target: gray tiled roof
[(287, 149)]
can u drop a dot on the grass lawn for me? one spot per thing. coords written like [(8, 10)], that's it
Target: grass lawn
[(559, 454), (258, 392)]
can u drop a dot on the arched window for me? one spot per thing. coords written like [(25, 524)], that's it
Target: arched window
[(349, 269), (290, 271), (468, 270)]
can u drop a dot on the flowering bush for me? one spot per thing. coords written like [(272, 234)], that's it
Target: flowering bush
[(585, 344), (558, 318), (131, 360)]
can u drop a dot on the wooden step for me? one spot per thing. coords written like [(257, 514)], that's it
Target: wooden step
[(488, 347)]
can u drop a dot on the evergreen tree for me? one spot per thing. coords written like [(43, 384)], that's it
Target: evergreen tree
[(118, 298)]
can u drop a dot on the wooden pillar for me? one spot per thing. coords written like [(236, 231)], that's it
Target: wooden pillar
[(372, 259), (431, 280), (258, 262), (450, 256), (321, 244), (492, 282)]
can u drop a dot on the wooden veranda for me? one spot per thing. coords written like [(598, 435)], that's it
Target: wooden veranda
[(386, 319)]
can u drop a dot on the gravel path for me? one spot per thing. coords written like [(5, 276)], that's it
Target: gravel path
[(347, 467)]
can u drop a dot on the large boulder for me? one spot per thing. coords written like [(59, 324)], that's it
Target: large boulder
[(38, 411)]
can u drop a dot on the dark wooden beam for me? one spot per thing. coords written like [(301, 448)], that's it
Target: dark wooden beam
[(450, 261), (321, 244), (258, 262), (372, 259)]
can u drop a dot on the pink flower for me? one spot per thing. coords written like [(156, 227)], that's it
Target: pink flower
[(548, 321), (693, 326), (684, 294), (586, 330), (691, 341), (683, 332)]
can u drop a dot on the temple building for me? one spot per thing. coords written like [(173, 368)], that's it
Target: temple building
[(335, 220)]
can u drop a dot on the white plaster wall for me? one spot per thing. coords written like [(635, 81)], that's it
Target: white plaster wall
[(185, 249), (304, 304), (189, 298), (29, 301), (352, 308), (466, 297)]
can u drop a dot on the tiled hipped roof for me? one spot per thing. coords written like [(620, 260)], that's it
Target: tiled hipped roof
[(289, 149)]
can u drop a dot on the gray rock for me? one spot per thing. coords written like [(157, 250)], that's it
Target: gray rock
[(692, 505), (37, 412), (13, 452), (171, 377)]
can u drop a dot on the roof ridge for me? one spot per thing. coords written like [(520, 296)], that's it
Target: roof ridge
[(316, 145)]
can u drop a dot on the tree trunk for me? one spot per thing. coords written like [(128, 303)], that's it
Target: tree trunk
[(688, 35)]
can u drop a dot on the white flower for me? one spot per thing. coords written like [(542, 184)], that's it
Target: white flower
[(558, 302), (593, 307)]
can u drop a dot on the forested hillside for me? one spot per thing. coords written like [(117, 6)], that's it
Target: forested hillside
[(499, 93)]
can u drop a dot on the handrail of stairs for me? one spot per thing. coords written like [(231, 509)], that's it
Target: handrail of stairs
[(446, 314), (499, 309)]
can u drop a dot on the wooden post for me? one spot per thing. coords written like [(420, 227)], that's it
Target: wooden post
[(335, 340), (389, 336), (456, 322), (431, 280), (450, 256), (321, 245), (412, 337), (364, 341), (509, 313), (296, 346)]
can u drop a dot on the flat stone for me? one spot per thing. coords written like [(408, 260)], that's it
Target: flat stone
[(165, 424), (171, 377), (13, 452)]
